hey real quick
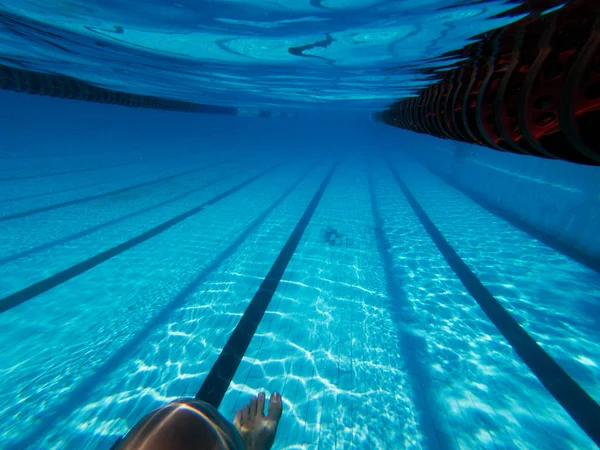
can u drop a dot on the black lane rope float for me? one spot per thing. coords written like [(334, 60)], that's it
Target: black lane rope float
[(571, 396), (71, 400), (51, 282), (54, 85), (89, 198), (219, 378)]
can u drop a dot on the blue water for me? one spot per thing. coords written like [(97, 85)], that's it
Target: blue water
[(371, 336), (357, 54)]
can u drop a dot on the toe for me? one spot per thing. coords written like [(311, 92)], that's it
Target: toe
[(275, 406), (246, 414), (261, 405), (237, 420), (253, 407)]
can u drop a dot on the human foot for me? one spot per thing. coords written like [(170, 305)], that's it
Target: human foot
[(257, 430)]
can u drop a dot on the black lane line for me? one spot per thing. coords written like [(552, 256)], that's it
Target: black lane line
[(545, 237), (66, 172), (73, 399), (89, 198), (51, 282), (412, 346), (16, 156), (572, 397), (93, 229), (219, 378), (74, 188)]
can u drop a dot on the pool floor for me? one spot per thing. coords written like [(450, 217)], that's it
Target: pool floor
[(122, 281)]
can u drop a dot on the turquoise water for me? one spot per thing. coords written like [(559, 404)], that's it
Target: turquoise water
[(371, 337), (133, 243), (357, 54)]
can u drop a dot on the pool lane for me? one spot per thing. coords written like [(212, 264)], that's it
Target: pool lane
[(32, 196), (44, 285), (576, 401), (181, 353), (61, 273), (435, 429), (97, 330), (31, 187), (88, 198), (478, 407), (100, 225), (336, 339), (554, 298), (536, 232), (328, 342), (87, 231), (106, 179), (217, 381), (40, 165), (486, 396), (53, 173)]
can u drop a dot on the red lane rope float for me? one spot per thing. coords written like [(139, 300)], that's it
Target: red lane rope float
[(532, 87)]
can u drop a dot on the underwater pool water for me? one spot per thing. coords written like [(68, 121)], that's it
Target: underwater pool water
[(372, 337), (399, 291), (357, 54)]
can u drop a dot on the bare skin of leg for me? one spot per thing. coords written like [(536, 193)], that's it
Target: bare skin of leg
[(257, 430)]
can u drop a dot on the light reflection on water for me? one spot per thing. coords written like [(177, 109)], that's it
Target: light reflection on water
[(351, 350), (554, 298), (363, 54)]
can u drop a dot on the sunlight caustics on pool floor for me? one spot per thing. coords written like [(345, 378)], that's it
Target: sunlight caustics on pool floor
[(370, 336)]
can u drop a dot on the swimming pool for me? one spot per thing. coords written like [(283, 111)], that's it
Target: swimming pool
[(399, 290), (125, 274)]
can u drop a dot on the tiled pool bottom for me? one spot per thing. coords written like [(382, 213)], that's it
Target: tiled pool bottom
[(370, 336)]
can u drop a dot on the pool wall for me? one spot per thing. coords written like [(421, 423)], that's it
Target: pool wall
[(554, 200)]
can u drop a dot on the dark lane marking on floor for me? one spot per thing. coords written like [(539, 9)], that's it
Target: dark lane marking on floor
[(412, 346), (84, 186), (20, 156), (77, 201), (545, 237), (57, 279), (73, 399), (93, 229), (219, 378), (66, 172), (572, 397)]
